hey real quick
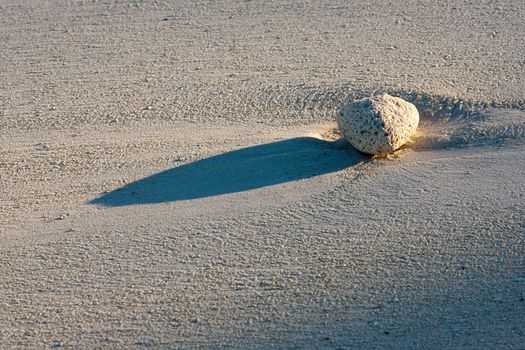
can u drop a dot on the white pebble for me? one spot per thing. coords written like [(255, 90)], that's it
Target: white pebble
[(379, 124)]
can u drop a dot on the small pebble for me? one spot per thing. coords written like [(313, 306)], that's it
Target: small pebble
[(42, 147), (62, 216)]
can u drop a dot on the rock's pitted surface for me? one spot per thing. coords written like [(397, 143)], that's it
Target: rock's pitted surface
[(379, 124)]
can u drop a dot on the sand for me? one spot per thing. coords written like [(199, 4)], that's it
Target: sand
[(170, 176)]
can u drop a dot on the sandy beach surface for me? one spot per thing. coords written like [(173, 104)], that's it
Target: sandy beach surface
[(171, 176)]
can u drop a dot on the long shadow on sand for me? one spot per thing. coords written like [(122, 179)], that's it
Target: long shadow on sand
[(236, 171)]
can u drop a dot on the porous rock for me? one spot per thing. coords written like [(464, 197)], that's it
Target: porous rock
[(378, 124)]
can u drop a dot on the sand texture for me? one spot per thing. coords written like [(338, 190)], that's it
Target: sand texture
[(171, 176)]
